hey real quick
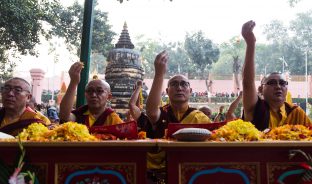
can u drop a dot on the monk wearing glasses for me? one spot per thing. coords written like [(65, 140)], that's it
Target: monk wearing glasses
[(95, 112), (177, 111), (271, 110), (179, 91), (15, 115)]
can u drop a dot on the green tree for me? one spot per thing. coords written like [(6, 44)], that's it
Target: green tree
[(230, 60), (202, 51), (179, 62), (277, 34), (302, 27), (267, 59), (148, 48), (276, 31), (284, 47), (292, 3), (6, 66), (21, 24), (70, 27)]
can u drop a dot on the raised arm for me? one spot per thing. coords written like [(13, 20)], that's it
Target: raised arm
[(69, 97), (250, 92), (153, 99), (230, 112), (135, 111), (218, 116)]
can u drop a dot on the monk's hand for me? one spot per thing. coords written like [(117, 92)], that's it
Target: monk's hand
[(247, 32), (240, 94), (74, 72), (221, 109), (161, 63), (139, 83)]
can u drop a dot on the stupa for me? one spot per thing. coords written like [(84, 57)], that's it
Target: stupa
[(123, 69)]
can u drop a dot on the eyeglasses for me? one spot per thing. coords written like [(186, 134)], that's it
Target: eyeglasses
[(99, 91), (176, 84), (274, 82), (16, 89)]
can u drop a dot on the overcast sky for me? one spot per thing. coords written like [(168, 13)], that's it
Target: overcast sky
[(219, 19), (168, 21)]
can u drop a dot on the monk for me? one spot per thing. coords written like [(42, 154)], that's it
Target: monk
[(179, 91), (271, 110), (206, 110), (15, 115), (33, 105), (229, 116), (96, 112), (177, 111), (137, 112)]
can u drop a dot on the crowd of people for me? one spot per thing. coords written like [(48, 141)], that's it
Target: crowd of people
[(265, 106)]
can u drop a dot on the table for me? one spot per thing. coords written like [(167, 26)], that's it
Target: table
[(124, 161), (233, 162), (72, 162)]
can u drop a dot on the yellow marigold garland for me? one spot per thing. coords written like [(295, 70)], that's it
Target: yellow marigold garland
[(237, 130), (141, 98), (69, 131)]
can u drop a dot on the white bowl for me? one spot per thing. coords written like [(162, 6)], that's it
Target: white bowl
[(192, 134)]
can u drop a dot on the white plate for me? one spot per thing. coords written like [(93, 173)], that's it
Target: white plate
[(6, 136)]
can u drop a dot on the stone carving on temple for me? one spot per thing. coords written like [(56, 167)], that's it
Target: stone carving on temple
[(123, 69)]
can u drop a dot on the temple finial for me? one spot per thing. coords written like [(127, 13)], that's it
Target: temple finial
[(125, 27)]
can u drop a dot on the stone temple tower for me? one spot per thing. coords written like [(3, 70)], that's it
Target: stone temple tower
[(123, 69)]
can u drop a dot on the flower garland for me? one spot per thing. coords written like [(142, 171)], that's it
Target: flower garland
[(141, 100)]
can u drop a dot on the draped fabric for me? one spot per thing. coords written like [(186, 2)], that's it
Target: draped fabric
[(295, 115), (145, 125), (28, 117), (108, 117), (191, 115), (156, 160)]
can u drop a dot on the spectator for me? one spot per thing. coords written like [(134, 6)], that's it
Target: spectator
[(34, 106), (206, 110), (137, 113), (220, 116), (229, 116), (52, 114)]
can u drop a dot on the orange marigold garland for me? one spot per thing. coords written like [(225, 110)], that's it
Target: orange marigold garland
[(289, 132), (142, 135)]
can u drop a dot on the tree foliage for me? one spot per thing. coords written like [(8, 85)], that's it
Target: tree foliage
[(292, 3), (276, 31), (202, 51), (179, 61), (287, 43), (148, 48), (70, 27), (230, 52), (21, 24)]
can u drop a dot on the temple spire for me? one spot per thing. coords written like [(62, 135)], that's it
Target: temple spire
[(124, 40)]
